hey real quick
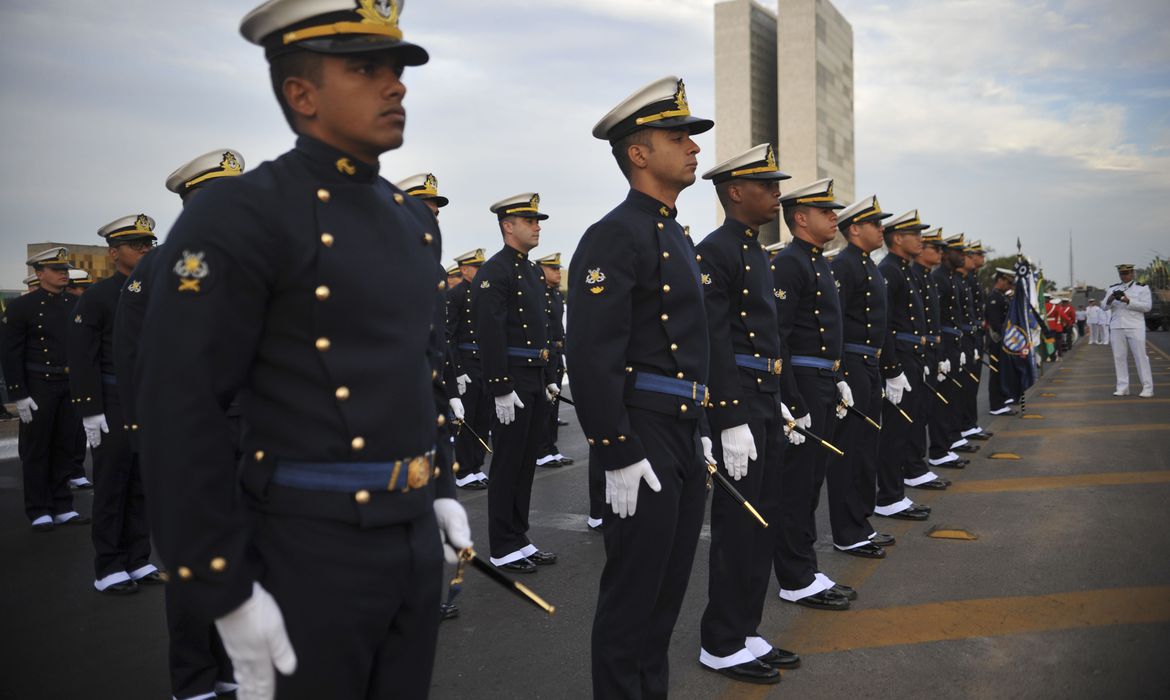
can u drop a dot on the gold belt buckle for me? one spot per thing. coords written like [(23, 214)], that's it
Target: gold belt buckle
[(544, 354), (418, 473), (836, 365), (777, 365)]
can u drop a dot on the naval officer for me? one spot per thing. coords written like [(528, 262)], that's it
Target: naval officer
[(121, 536), (873, 369), (637, 359), (464, 348), (808, 311), (510, 318), (747, 415), (1127, 302), (1002, 387), (36, 370), (259, 288), (550, 267)]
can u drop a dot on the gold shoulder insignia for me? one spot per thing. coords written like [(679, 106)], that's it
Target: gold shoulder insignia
[(485, 284), (706, 278), (191, 270), (780, 294)]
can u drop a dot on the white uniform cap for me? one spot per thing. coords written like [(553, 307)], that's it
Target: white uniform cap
[(423, 186), (526, 205), (908, 222), (31, 281), (128, 228), (756, 163), (860, 212), (819, 194), (330, 26), (55, 257), (661, 105), (77, 275), (222, 162)]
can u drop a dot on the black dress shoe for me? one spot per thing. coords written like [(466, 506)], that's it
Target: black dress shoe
[(43, 527), (79, 520), (154, 578), (542, 558), (932, 485), (825, 600), (881, 539), (910, 514), (448, 611), (966, 448), (121, 588), (869, 551), (956, 464), (921, 508), (749, 672), (779, 658), (567, 460), (520, 566), (986, 435), (562, 423), (846, 592), (475, 485)]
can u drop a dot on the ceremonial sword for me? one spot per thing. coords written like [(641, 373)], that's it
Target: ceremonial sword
[(519, 589), (727, 486)]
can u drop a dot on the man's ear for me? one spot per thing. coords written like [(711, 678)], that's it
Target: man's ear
[(301, 96), (637, 154)]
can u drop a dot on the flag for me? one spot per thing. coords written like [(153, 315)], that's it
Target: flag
[(1021, 333)]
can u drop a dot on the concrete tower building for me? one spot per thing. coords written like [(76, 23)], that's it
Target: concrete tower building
[(809, 87)]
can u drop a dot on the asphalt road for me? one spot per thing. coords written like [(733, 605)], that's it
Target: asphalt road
[(1065, 593)]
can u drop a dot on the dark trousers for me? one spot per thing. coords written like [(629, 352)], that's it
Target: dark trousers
[(853, 478), (197, 656), (46, 448), (598, 508), (801, 477), (648, 558), (969, 415), (741, 550), (477, 413), (360, 604), (902, 445), (514, 454), (550, 431), (944, 419), (121, 535)]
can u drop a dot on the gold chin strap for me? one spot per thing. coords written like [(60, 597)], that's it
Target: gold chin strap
[(662, 115), (753, 171), (340, 28), (210, 176)]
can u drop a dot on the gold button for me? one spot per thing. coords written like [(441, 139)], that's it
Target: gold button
[(427, 238), (362, 497), (259, 455), (441, 420), (605, 442), (665, 317), (621, 438), (666, 289), (661, 226), (322, 293), (455, 467), (218, 564), (666, 255), (327, 239), (358, 443), (184, 573), (591, 441), (679, 375), (674, 347), (683, 408), (323, 343), (342, 393), (442, 285), (398, 199), (323, 194)]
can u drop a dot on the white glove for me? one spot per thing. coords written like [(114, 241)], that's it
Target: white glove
[(552, 391), (944, 367), (976, 353), (621, 486), (895, 386), (506, 407), (738, 448), (793, 437), (94, 427), (255, 640), (962, 359), (708, 449), (456, 408), (454, 530), (805, 421), (925, 373), (845, 396), (461, 383), (25, 408)]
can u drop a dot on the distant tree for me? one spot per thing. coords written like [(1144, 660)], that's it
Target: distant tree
[(987, 272)]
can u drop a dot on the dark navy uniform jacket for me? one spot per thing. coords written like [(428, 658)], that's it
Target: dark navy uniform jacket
[(863, 304), (808, 309), (906, 310), (311, 281), (509, 314), (128, 320), (460, 330), (741, 320), (997, 312), (635, 305), (555, 310), (930, 300), (91, 344), (35, 327), (951, 310), (966, 303)]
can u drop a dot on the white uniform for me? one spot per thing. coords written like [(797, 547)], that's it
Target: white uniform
[(1097, 324), (1127, 328)]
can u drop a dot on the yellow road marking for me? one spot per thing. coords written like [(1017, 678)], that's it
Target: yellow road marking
[(986, 617), (1045, 483), (1114, 429)]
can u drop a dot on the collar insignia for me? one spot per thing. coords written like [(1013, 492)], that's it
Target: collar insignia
[(135, 286), (345, 167), (485, 284), (705, 277), (780, 294)]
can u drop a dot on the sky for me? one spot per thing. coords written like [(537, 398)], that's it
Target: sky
[(1002, 119)]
